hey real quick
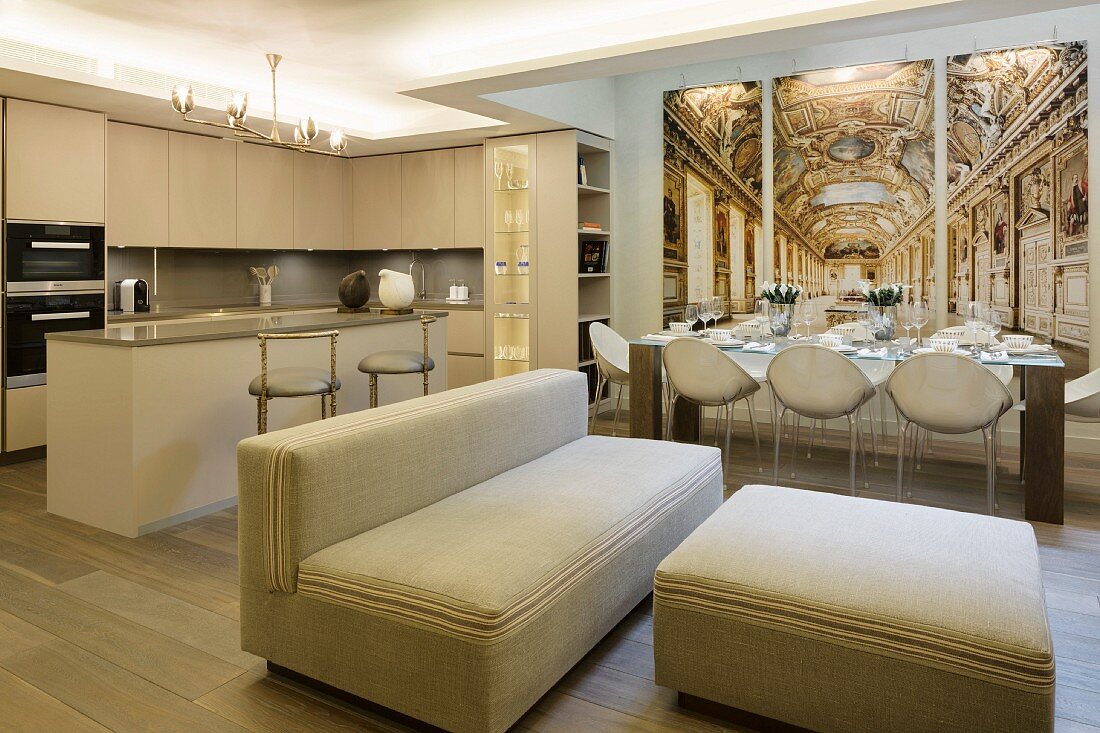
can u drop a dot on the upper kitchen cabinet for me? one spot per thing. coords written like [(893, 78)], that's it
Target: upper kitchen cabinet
[(202, 191), (54, 163), (322, 211), (428, 199), (469, 197), (377, 201), (265, 196), (137, 186)]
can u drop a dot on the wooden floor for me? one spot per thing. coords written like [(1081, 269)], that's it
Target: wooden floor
[(101, 633)]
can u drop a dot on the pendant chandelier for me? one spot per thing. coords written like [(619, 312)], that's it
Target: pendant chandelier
[(236, 112)]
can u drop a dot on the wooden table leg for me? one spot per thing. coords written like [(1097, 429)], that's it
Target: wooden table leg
[(1044, 444), (645, 392)]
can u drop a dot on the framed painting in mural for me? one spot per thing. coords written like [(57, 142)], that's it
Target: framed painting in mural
[(674, 286), (979, 222), (675, 218), (1071, 182), (872, 275), (999, 228), (750, 248), (722, 237)]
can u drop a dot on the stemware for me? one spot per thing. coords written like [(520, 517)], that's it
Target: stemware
[(992, 326), (508, 218), (509, 169), (865, 320), (974, 317), (498, 171), (905, 318), (717, 309), (920, 313), (807, 314), (691, 315)]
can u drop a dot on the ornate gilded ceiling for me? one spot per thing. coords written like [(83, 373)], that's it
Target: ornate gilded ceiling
[(988, 91), (854, 154), (727, 118)]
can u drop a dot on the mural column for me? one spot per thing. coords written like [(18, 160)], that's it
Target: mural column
[(939, 259), (765, 257)]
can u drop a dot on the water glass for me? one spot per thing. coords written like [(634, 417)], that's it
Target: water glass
[(992, 326), (920, 313)]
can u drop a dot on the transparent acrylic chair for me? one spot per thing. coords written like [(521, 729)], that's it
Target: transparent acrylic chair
[(953, 395), (699, 372), (612, 354)]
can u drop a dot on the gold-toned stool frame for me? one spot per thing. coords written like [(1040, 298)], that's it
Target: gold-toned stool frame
[(373, 379), (261, 401)]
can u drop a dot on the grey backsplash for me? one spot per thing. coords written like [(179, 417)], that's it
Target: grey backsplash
[(200, 277)]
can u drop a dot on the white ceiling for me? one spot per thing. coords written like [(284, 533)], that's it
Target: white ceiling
[(384, 70)]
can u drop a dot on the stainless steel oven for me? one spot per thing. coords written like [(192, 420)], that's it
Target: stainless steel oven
[(53, 257), (30, 316)]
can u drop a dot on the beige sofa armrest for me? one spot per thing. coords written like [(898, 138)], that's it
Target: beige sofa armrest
[(308, 487)]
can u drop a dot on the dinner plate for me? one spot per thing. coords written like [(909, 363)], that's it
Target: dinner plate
[(927, 350)]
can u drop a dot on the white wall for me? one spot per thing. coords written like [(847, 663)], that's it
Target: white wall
[(636, 219)]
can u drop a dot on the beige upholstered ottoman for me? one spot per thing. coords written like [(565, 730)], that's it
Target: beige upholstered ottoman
[(834, 613)]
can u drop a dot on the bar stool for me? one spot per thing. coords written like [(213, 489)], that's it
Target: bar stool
[(398, 361), (294, 381)]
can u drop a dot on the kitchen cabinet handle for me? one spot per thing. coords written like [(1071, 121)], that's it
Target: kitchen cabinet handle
[(61, 245), (60, 316)]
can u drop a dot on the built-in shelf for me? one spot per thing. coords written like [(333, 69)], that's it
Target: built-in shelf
[(584, 190), (596, 232), (593, 274), (587, 317)]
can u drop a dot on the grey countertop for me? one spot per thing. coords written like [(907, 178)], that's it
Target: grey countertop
[(155, 334), (166, 312)]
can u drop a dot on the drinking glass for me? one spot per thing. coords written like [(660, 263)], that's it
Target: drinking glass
[(992, 326), (808, 314), (905, 318), (718, 308), (498, 171), (761, 311), (691, 315), (975, 317), (508, 217), (704, 312), (920, 313), (864, 319), (509, 169)]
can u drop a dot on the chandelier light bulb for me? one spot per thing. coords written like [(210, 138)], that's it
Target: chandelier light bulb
[(338, 141), (308, 128), (237, 108), (299, 139), (183, 100)]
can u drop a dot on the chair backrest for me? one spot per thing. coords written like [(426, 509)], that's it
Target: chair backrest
[(264, 337), (817, 382), (948, 393), (700, 372), (612, 352), (1083, 397)]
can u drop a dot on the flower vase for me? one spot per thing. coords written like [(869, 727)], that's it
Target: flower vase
[(781, 316), (884, 320)]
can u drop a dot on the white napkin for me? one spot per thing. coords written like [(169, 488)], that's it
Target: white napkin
[(872, 352), (797, 337), (755, 346), (660, 337), (993, 355)]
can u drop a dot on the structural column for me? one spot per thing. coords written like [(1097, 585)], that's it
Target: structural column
[(766, 259), (939, 250)]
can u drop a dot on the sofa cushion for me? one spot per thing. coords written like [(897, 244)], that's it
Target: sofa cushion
[(955, 591), (478, 564)]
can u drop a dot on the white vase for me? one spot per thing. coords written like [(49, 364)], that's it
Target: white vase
[(395, 289), (265, 293)]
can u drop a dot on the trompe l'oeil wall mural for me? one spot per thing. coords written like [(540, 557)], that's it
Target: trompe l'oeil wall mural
[(854, 176)]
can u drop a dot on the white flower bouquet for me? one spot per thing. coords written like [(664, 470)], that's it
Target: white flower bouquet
[(780, 293), (883, 295)]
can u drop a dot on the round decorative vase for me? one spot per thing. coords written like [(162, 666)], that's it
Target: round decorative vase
[(781, 316), (354, 290), (884, 320), (395, 289)]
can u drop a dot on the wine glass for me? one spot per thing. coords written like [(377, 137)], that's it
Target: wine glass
[(691, 315), (760, 313), (920, 313), (508, 218), (509, 169), (975, 317), (718, 308), (905, 317), (498, 171), (992, 326), (807, 311), (866, 322)]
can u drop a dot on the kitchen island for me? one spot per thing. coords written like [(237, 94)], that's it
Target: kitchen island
[(142, 422)]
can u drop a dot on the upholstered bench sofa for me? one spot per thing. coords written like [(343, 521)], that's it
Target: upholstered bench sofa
[(451, 557), (840, 614)]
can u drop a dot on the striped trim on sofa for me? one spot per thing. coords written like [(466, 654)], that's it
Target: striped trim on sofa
[(280, 565), (1029, 670), (484, 624)]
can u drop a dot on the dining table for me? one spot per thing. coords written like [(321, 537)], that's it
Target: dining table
[(1042, 424)]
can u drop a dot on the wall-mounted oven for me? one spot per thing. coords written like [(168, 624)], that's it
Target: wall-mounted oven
[(30, 316), (53, 257)]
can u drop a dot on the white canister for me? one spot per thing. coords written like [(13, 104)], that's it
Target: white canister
[(395, 289)]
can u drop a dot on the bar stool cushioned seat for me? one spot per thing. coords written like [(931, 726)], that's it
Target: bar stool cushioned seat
[(837, 613), (395, 362), (294, 382)]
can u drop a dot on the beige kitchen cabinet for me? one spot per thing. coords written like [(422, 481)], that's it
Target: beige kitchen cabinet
[(137, 186), (470, 197), (202, 191), (376, 184), (428, 199), (463, 371), (465, 332), (24, 418), (54, 164), (322, 212), (265, 196)]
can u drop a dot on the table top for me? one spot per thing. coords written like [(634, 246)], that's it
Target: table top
[(879, 351)]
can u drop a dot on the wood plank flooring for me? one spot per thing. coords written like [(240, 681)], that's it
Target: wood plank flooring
[(101, 633)]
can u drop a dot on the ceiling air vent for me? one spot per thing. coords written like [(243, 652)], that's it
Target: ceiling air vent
[(47, 56), (213, 95)]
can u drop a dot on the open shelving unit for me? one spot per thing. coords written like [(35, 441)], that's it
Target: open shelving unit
[(593, 288)]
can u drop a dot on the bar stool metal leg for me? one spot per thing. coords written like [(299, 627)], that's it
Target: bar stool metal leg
[(373, 390)]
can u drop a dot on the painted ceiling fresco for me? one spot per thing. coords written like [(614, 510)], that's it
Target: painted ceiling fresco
[(988, 92), (854, 160), (728, 119)]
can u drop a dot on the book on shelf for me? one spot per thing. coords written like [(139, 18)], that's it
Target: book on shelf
[(589, 226), (582, 173), (593, 256)]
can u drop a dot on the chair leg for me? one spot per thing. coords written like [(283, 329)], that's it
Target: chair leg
[(729, 430), (618, 407), (600, 382), (882, 425), (332, 404), (913, 461), (324, 408), (755, 435), (261, 416), (852, 454), (778, 441), (794, 445), (374, 390), (671, 411), (871, 425), (862, 441), (990, 473), (902, 431), (810, 442)]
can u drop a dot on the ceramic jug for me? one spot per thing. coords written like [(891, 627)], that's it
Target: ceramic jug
[(395, 289)]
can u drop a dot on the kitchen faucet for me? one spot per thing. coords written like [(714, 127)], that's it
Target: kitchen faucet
[(422, 293)]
